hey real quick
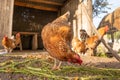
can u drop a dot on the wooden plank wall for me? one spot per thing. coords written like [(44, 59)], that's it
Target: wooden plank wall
[(31, 20), (6, 13)]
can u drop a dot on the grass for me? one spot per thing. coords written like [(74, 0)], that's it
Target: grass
[(42, 69)]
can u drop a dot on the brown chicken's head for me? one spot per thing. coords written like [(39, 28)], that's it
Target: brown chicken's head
[(5, 37), (83, 34), (106, 28), (76, 59), (103, 30), (18, 35)]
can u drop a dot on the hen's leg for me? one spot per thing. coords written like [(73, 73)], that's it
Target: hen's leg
[(6, 50), (54, 66), (10, 50), (58, 67)]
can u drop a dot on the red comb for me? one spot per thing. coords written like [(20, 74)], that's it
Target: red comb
[(18, 34), (106, 28)]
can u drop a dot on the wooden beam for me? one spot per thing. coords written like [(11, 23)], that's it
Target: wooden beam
[(114, 53), (47, 2), (35, 6)]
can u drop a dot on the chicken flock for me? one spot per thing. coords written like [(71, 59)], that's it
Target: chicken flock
[(57, 35), (59, 42)]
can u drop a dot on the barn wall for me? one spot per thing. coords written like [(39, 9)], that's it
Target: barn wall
[(6, 14), (72, 6), (79, 15), (31, 20)]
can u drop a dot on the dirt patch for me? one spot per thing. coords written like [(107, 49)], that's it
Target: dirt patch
[(101, 62)]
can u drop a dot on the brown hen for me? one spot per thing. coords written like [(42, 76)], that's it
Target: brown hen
[(8, 44), (78, 46), (56, 40), (92, 41), (17, 39)]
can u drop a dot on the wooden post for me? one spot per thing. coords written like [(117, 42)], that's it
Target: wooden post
[(21, 46), (112, 37), (6, 15), (79, 19), (74, 28), (35, 42), (89, 10)]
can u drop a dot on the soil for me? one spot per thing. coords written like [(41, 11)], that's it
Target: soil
[(101, 62), (17, 56)]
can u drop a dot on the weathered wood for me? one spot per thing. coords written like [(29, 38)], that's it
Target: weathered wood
[(114, 53), (47, 2), (35, 6), (112, 37), (89, 10), (75, 28), (35, 42), (27, 33), (90, 21), (21, 46), (79, 15), (6, 15), (85, 16)]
